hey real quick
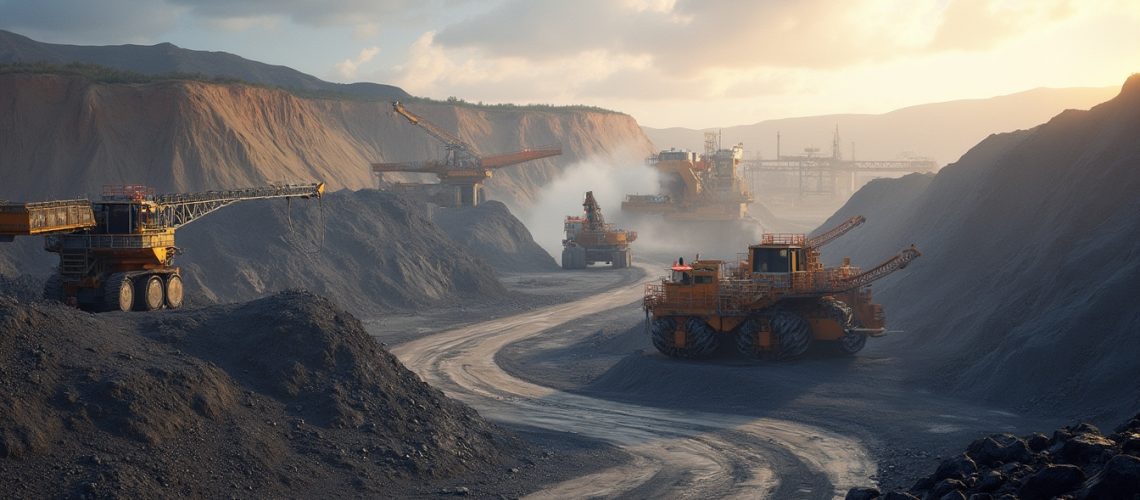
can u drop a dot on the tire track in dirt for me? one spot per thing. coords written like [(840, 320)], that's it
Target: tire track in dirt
[(676, 453)]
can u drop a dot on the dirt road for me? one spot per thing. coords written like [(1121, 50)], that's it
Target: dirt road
[(677, 453)]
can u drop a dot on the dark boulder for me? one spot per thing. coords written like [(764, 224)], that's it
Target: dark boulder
[(990, 481), (945, 487), (862, 494), (999, 448), (1051, 481), (1037, 442), (1119, 480), (1130, 443), (958, 467), (1087, 448), (898, 495)]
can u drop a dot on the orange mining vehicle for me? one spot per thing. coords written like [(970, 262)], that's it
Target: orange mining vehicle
[(774, 303), (700, 188), (589, 239), (117, 253)]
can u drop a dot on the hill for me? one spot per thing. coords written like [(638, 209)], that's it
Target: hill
[(940, 131), (166, 58), (1030, 263), (185, 136), (283, 396)]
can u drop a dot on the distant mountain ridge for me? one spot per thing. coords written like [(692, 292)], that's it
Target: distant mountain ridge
[(940, 131), (165, 58)]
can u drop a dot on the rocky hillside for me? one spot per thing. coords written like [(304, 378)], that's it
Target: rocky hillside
[(185, 135), (942, 131), (1077, 462), (1031, 247), (284, 396), (372, 251), (166, 58)]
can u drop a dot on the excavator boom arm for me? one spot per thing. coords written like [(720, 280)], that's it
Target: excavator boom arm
[(176, 210), (835, 232), (880, 271), (452, 142)]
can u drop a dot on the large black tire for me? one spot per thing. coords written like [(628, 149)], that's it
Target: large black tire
[(53, 288), (620, 259), (851, 342), (149, 293), (748, 341), (118, 293), (700, 339), (791, 332), (174, 291), (573, 258)]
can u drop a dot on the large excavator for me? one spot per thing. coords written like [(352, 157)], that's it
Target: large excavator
[(118, 253), (590, 239), (774, 304), (463, 168)]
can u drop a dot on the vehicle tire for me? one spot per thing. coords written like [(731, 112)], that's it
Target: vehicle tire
[(118, 293), (149, 295), (579, 257), (661, 334), (620, 258), (851, 342), (568, 258), (700, 339), (792, 332), (747, 340), (174, 291), (53, 288)]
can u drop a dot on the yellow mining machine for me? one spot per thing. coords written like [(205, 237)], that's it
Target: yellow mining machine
[(462, 171), (696, 187), (774, 304), (117, 253), (590, 239)]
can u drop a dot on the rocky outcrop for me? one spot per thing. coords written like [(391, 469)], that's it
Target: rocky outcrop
[(1030, 255), (284, 396), (1077, 462), (182, 136)]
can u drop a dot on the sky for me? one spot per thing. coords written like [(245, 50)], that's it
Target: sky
[(668, 63)]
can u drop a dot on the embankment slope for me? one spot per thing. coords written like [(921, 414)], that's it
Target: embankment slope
[(1023, 296)]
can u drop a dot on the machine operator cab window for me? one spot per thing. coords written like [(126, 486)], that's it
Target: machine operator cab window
[(776, 259)]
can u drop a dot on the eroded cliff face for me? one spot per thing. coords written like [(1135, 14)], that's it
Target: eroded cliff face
[(67, 136)]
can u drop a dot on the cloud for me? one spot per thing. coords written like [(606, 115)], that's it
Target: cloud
[(347, 68), (305, 12), (982, 24), (84, 21)]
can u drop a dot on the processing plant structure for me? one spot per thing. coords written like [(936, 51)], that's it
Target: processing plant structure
[(117, 253), (774, 304), (589, 239), (463, 169), (696, 187)]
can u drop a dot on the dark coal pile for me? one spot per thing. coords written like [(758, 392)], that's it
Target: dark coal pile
[(1024, 296), (285, 396), (367, 250), (1077, 462), (489, 231)]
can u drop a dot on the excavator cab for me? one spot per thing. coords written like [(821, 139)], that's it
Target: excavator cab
[(781, 259)]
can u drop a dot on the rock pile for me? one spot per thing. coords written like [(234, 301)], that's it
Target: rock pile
[(283, 396), (1077, 462)]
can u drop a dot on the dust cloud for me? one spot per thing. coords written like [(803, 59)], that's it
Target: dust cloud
[(609, 178)]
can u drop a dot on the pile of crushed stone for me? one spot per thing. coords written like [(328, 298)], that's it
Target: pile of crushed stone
[(1077, 462), (282, 396), (490, 232), (1029, 256)]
